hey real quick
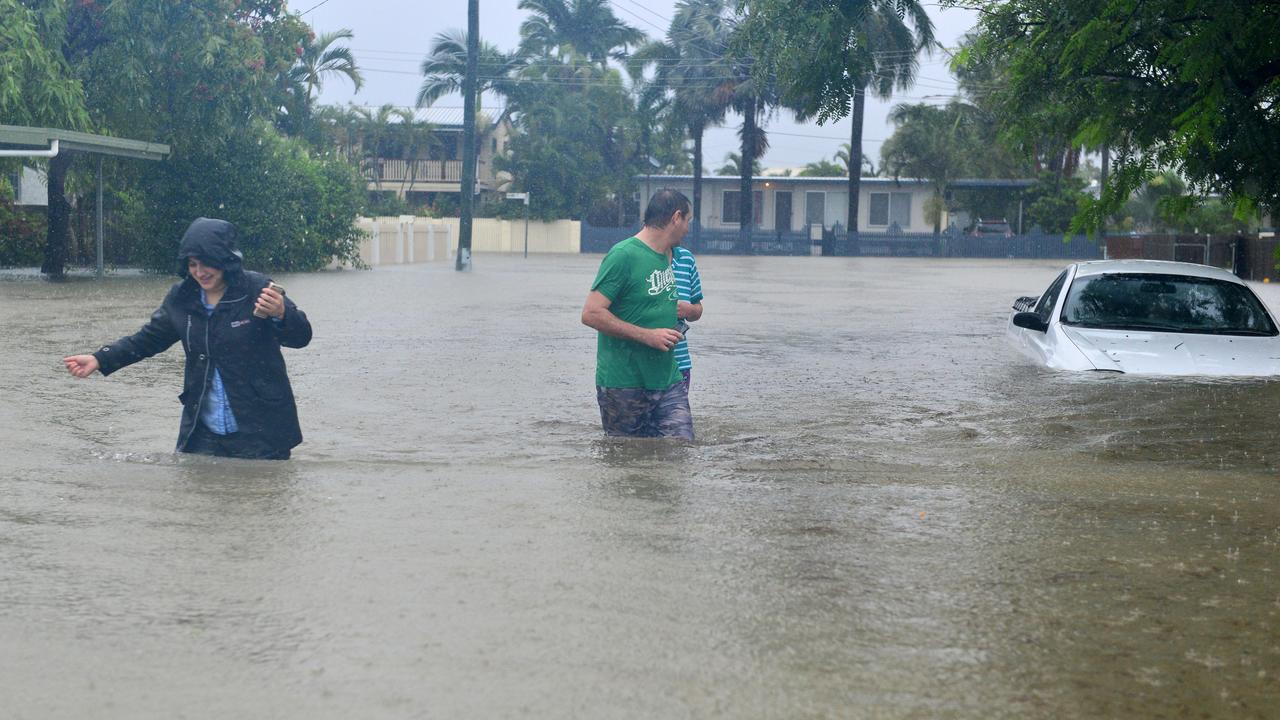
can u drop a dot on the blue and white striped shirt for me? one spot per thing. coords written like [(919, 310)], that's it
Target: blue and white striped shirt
[(689, 289), (216, 412)]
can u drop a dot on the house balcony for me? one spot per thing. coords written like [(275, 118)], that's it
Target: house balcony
[(414, 171)]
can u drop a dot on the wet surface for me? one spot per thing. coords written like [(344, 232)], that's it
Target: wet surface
[(887, 513)]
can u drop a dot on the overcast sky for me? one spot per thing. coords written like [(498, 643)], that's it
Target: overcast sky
[(392, 37)]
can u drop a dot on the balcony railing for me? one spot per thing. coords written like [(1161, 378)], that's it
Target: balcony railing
[(396, 171)]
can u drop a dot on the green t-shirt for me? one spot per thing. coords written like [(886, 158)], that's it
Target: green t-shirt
[(642, 291)]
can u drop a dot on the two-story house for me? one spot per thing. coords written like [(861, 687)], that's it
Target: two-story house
[(419, 164)]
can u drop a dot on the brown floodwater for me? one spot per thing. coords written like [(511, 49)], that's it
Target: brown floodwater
[(887, 513)]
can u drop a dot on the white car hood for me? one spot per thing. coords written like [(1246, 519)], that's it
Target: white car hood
[(1161, 353)]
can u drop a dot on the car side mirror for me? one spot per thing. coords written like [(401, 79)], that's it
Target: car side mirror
[(1030, 321)]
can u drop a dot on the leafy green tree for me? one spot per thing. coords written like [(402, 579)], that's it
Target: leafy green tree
[(1189, 85), (926, 145), (571, 141), (38, 86), (1052, 201), (828, 54), (295, 210), (1148, 207), (190, 74), (578, 138)]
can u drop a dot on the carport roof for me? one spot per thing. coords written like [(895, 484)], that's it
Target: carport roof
[(84, 142)]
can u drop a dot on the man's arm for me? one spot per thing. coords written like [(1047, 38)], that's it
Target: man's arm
[(689, 307), (596, 315)]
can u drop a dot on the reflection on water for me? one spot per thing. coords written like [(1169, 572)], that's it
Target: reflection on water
[(887, 513)]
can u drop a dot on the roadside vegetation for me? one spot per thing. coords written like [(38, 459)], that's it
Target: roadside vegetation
[(1145, 115)]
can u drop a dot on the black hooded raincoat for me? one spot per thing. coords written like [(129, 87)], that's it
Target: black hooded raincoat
[(244, 349)]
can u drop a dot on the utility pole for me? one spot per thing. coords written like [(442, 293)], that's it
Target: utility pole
[(1102, 189), (469, 87)]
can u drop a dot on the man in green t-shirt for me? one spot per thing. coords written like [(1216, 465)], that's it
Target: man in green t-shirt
[(632, 304)]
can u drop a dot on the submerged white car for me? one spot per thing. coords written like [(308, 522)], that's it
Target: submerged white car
[(1148, 317)]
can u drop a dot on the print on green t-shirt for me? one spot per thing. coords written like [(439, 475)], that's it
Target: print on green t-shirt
[(642, 291)]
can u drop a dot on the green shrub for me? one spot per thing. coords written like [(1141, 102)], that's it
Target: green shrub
[(295, 212)]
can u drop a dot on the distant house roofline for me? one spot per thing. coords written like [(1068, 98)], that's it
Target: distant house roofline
[(843, 181)]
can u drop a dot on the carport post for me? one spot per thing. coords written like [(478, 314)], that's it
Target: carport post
[(99, 213)]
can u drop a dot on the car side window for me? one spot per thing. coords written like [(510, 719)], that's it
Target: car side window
[(1050, 296)]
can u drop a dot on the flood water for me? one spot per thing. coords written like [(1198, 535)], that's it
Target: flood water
[(887, 513)]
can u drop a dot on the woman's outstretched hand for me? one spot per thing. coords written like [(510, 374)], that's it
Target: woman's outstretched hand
[(82, 366)]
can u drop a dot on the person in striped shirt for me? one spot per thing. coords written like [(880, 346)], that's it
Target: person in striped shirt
[(688, 301)]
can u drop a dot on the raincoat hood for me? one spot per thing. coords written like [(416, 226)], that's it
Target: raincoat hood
[(212, 242)]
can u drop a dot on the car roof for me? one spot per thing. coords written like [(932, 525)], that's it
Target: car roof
[(1154, 267)]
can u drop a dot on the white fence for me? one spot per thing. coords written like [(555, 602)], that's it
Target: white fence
[(412, 239), (406, 239)]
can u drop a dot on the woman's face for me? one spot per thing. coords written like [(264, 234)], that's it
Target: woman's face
[(209, 277)]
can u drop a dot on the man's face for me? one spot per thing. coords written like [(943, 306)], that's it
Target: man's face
[(680, 225)]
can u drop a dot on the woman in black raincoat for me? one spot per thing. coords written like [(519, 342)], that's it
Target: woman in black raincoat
[(236, 398)]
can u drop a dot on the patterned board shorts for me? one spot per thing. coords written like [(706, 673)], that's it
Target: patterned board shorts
[(636, 412)]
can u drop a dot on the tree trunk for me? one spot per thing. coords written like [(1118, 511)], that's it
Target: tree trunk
[(697, 185), (855, 157), (746, 214), (59, 215)]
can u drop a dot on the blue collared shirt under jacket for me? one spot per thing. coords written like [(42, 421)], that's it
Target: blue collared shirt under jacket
[(216, 413)]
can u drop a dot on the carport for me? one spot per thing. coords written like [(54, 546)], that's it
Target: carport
[(48, 143)]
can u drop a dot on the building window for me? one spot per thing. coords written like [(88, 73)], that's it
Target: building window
[(889, 208), (815, 208), (732, 210)]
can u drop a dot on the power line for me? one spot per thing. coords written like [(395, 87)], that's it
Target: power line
[(313, 7), (643, 20)]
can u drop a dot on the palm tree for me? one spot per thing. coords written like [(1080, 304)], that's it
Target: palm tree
[(751, 96), (822, 168), (875, 52), (445, 67), (319, 60), (584, 27), (378, 128), (885, 58), (842, 157), (733, 166), (691, 65)]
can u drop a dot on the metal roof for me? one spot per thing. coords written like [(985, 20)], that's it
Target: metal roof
[(84, 142)]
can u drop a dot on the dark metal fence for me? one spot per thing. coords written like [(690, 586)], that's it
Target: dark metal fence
[(1218, 251), (707, 242), (894, 243), (1250, 257)]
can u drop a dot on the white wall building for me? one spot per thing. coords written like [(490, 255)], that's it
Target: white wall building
[(793, 204)]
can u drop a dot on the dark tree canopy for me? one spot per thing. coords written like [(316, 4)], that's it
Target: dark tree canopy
[(1185, 84)]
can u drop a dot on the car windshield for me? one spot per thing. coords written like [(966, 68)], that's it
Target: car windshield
[(1165, 303)]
